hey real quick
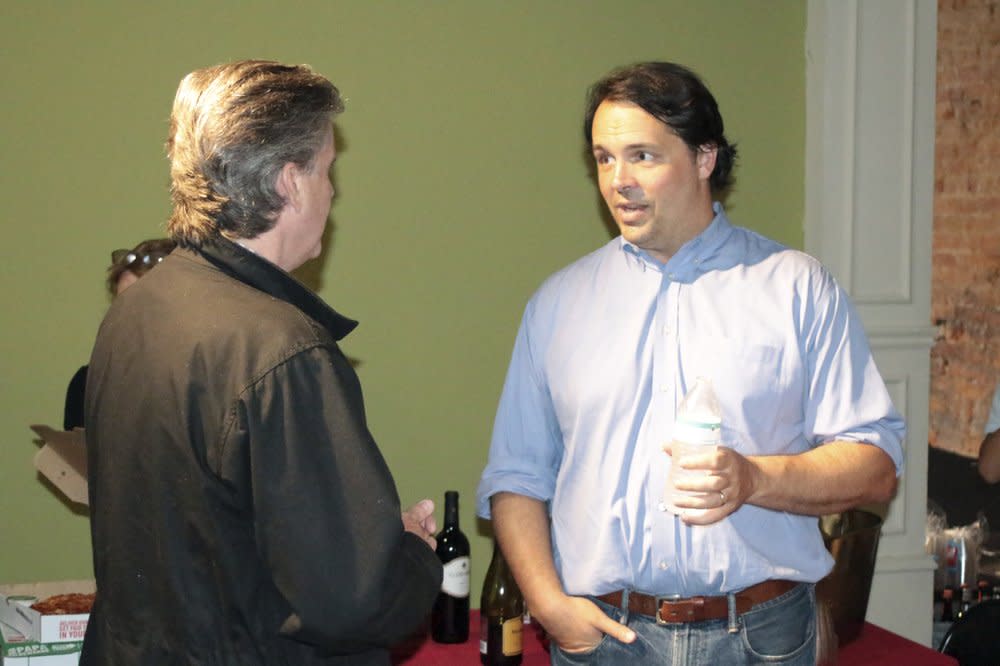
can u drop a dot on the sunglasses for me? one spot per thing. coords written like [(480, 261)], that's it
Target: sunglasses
[(128, 258)]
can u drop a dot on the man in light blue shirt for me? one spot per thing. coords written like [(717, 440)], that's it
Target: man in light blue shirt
[(607, 349), (989, 450)]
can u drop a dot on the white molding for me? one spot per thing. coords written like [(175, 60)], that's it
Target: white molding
[(870, 79), (903, 337), (897, 564), (881, 174)]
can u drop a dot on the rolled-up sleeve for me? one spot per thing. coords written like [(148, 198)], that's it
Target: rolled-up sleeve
[(526, 446), (848, 399)]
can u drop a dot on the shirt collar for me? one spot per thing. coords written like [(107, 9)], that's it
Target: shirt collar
[(690, 259), (241, 264)]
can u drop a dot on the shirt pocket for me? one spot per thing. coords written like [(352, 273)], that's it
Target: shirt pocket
[(753, 383)]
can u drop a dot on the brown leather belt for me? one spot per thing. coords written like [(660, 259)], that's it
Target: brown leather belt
[(697, 609)]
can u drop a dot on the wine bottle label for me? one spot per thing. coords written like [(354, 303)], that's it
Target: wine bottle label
[(512, 630), (483, 643), (456, 577)]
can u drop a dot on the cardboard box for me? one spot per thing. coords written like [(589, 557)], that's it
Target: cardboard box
[(16, 650), (63, 461), (16, 611)]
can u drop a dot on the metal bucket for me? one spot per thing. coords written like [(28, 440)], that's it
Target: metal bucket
[(852, 539)]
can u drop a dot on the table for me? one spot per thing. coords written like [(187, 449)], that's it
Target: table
[(874, 646)]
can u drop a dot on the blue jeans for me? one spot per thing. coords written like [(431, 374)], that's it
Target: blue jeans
[(779, 631)]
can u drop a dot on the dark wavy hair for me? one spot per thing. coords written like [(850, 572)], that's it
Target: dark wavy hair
[(677, 97), (232, 129)]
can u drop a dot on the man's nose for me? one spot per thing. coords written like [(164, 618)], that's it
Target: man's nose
[(622, 179)]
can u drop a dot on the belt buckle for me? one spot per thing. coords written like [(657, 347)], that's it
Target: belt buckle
[(659, 604)]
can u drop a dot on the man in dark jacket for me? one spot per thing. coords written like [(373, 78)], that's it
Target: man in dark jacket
[(241, 511)]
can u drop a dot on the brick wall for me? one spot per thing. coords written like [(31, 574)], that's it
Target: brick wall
[(965, 292)]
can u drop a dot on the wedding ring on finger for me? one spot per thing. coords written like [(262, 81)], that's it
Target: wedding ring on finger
[(722, 496)]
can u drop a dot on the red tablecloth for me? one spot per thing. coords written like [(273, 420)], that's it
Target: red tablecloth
[(874, 646)]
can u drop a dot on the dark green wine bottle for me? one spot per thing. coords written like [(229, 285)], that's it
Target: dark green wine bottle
[(450, 615), (500, 615)]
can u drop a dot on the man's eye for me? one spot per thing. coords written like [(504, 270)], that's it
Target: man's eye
[(602, 159), (643, 156)]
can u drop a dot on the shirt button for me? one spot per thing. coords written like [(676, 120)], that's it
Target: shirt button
[(663, 565), (666, 329)]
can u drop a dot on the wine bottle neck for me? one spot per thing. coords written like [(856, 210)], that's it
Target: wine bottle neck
[(451, 509), (497, 562)]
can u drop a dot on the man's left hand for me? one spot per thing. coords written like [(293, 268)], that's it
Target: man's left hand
[(722, 481)]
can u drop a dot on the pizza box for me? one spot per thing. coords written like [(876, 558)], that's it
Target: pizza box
[(16, 611), (63, 461), (16, 650)]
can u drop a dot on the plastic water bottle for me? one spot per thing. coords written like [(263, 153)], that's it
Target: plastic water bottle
[(698, 426)]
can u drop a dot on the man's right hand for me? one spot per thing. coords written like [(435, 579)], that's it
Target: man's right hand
[(419, 519), (577, 624)]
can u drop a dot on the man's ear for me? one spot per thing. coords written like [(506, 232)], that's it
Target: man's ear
[(287, 185), (705, 159)]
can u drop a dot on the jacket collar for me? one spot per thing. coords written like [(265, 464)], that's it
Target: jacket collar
[(247, 267)]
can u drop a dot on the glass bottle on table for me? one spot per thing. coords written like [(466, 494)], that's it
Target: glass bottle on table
[(947, 605), (983, 593), (501, 615), (966, 602), (450, 616)]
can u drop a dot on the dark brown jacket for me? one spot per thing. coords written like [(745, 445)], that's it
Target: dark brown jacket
[(241, 512)]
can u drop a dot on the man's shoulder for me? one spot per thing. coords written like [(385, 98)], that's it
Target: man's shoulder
[(585, 268), (760, 250), (271, 321), (225, 309)]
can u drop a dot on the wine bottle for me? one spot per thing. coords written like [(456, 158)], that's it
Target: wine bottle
[(450, 617), (966, 601), (947, 609), (500, 616), (983, 593)]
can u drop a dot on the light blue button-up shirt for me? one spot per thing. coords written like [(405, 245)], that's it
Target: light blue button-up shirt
[(993, 421), (607, 349)]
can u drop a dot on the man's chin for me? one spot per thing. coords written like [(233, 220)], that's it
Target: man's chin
[(632, 233)]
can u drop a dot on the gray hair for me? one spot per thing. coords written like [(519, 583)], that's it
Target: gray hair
[(232, 129)]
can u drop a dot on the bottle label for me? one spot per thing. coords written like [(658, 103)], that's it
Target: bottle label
[(456, 577), (695, 432), (512, 630)]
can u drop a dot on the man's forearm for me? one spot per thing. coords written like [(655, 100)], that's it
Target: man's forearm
[(831, 478), (521, 526), (989, 457)]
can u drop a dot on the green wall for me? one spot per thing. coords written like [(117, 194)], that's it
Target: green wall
[(461, 184)]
